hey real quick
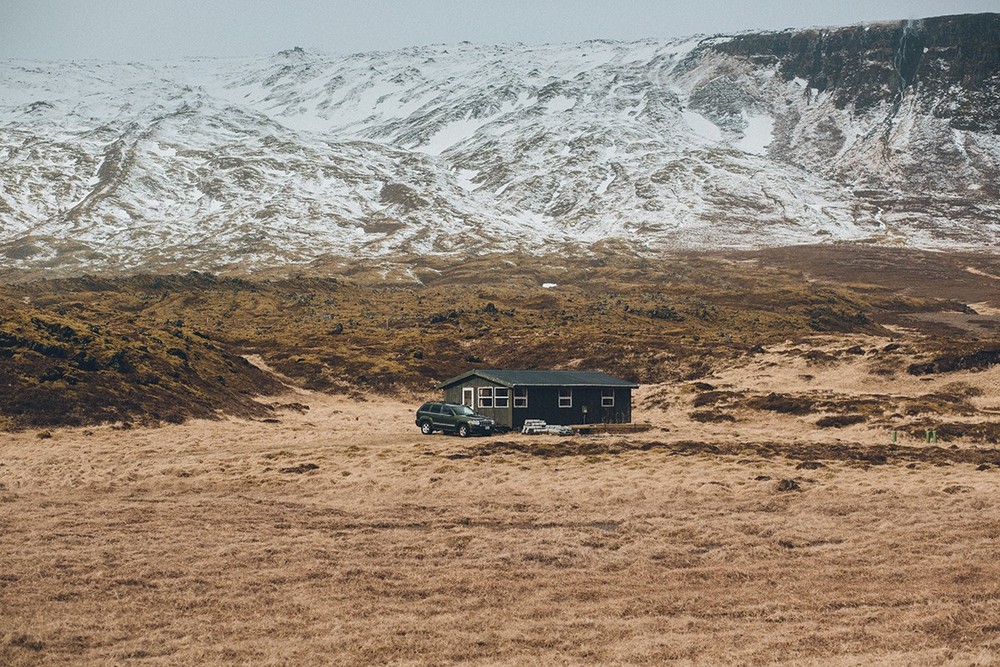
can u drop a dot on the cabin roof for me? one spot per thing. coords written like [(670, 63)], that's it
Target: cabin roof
[(517, 378)]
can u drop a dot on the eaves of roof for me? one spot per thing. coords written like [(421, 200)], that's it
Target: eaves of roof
[(541, 378)]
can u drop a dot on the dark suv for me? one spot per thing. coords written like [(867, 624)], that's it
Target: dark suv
[(452, 418)]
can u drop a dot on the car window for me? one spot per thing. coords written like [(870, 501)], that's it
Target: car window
[(464, 410), (435, 408), (449, 411)]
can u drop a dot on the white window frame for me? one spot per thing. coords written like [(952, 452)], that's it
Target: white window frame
[(567, 400), (607, 398), (520, 397), (486, 397), (469, 396), (501, 394)]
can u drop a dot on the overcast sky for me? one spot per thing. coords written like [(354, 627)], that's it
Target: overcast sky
[(156, 29)]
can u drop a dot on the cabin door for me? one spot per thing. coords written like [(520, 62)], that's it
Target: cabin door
[(469, 397)]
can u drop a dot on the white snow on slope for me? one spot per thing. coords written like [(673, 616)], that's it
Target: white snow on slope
[(702, 126), (209, 162), (451, 134), (758, 134)]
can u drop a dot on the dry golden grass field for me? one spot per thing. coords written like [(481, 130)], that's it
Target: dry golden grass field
[(160, 504), (336, 534)]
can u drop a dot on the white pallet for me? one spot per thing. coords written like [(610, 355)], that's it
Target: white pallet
[(538, 426)]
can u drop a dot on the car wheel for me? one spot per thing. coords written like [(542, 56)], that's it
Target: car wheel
[(463, 431), (426, 428)]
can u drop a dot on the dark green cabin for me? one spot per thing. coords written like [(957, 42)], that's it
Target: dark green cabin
[(559, 397)]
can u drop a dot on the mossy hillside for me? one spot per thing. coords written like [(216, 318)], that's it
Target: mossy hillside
[(170, 347), (90, 360)]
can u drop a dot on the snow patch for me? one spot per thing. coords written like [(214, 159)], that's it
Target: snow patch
[(451, 134), (559, 103), (758, 134), (158, 149), (702, 125), (464, 178), (679, 50), (603, 186)]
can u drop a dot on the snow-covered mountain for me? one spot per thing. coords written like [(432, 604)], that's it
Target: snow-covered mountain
[(887, 132)]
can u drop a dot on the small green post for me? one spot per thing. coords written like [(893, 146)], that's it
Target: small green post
[(935, 435), (894, 436), (927, 435)]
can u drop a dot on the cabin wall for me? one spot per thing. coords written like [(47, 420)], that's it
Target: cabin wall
[(543, 403), (585, 406), (501, 416)]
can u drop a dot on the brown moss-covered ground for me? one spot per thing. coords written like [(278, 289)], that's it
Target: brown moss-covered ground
[(76, 359), (166, 348)]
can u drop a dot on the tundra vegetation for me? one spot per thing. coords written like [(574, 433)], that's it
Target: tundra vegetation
[(201, 469), (153, 349)]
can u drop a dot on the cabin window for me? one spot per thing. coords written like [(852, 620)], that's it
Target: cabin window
[(469, 396), (486, 397), (501, 397), (520, 397), (565, 398), (607, 398)]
